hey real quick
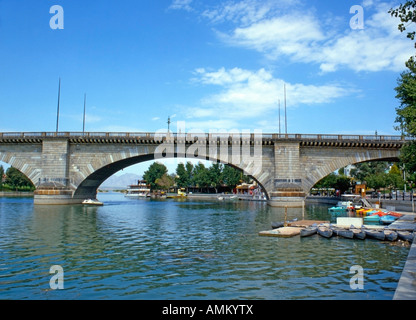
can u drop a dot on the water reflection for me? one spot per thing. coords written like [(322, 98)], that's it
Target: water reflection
[(144, 249)]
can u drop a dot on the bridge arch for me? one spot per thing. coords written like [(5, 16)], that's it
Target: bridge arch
[(18, 160), (316, 169), (88, 186)]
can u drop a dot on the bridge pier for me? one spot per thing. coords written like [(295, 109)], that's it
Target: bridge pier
[(287, 187), (53, 186), (288, 197), (55, 197)]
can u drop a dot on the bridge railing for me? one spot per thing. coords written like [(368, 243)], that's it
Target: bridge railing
[(208, 136)]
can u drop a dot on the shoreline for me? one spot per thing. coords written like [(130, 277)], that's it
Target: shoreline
[(4, 194), (403, 206)]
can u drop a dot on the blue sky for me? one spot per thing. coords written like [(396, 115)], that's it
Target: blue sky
[(217, 65)]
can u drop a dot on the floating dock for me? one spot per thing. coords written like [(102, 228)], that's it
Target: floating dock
[(293, 228), (284, 232)]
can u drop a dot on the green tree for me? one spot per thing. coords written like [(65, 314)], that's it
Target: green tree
[(16, 179), (406, 114), (232, 177), (156, 171), (364, 169), (406, 12), (165, 182), (338, 182), (182, 178), (342, 183), (201, 176), (189, 171), (395, 177), (327, 182), (377, 181), (215, 172)]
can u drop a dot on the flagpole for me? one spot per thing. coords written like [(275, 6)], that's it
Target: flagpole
[(57, 112), (83, 123), (285, 110), (279, 119)]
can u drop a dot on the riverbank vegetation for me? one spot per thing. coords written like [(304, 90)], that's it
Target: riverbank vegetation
[(217, 177), (378, 176), (13, 180)]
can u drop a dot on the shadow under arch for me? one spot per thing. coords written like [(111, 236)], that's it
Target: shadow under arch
[(88, 187)]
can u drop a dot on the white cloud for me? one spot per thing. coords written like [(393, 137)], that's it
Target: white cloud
[(245, 12), (251, 94), (181, 5), (306, 37)]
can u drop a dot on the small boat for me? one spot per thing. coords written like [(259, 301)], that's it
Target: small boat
[(390, 235), (344, 233), (375, 234), (309, 231), (406, 235), (358, 233), (395, 214), (387, 219), (379, 213), (92, 202), (372, 219), (325, 232), (337, 209)]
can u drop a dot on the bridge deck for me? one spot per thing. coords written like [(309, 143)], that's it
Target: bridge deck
[(209, 138)]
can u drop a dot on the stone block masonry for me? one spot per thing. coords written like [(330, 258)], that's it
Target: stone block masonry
[(68, 168)]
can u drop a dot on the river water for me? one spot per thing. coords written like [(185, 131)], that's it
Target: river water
[(171, 249)]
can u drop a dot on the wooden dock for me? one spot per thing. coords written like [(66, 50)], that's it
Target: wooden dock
[(284, 232), (305, 223)]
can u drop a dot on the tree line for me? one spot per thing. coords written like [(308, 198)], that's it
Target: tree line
[(13, 180), (377, 175), (195, 176)]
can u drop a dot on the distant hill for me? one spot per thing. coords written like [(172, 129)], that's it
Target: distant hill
[(120, 182)]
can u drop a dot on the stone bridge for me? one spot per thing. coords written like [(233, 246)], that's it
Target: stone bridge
[(68, 167)]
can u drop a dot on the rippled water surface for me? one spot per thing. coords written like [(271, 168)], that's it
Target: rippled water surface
[(147, 249)]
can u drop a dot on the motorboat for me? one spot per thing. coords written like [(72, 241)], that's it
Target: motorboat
[(92, 202)]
